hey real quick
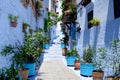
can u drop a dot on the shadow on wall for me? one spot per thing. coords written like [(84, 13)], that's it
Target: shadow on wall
[(97, 30), (86, 37), (112, 27)]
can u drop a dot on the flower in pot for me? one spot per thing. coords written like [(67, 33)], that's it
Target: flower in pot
[(101, 61), (87, 64), (115, 60), (71, 56), (25, 25), (94, 22), (13, 20)]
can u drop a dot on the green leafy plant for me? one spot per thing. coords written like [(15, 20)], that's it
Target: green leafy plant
[(8, 74), (73, 52), (52, 19), (71, 11), (13, 18), (95, 22), (115, 57), (25, 24), (38, 4), (101, 59), (46, 39), (88, 55)]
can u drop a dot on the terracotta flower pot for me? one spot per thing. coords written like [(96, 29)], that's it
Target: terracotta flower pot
[(23, 73), (98, 75), (77, 64), (13, 24), (64, 51)]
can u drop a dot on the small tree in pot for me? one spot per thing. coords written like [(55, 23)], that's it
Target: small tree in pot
[(87, 66), (101, 62), (115, 60)]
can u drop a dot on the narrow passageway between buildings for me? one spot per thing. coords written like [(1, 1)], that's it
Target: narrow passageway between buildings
[(53, 66)]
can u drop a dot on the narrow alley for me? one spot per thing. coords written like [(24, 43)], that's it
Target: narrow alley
[(59, 39), (54, 66)]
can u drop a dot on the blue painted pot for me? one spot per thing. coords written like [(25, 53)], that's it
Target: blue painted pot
[(46, 46), (86, 69), (31, 67), (70, 60), (62, 45)]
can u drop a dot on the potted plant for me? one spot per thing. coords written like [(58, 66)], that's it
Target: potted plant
[(25, 25), (18, 58), (71, 57), (8, 73), (62, 43), (46, 42), (32, 52), (101, 61), (31, 31), (39, 5), (87, 66), (13, 20), (65, 41), (115, 60), (94, 22)]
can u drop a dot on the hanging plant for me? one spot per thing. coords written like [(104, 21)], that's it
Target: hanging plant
[(94, 22), (24, 26), (39, 6), (13, 20)]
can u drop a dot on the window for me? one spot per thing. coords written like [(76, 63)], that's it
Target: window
[(116, 8), (90, 17)]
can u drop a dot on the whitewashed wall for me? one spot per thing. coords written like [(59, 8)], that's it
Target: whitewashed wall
[(102, 35), (8, 34)]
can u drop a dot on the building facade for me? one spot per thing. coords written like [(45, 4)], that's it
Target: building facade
[(98, 36), (25, 10)]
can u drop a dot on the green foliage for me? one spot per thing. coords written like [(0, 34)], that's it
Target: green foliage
[(7, 50), (52, 19), (26, 24), (88, 55), (38, 4), (29, 51), (13, 18), (46, 39), (101, 59), (53, 14), (115, 57), (95, 22), (8, 74), (73, 52), (72, 14), (65, 38)]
